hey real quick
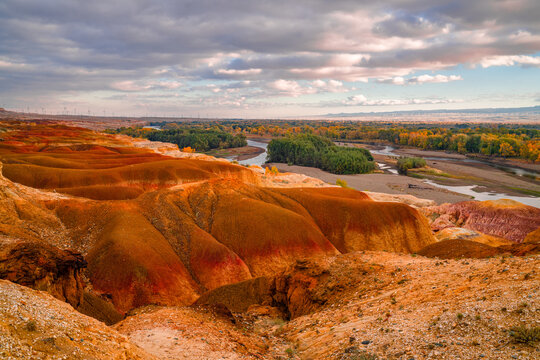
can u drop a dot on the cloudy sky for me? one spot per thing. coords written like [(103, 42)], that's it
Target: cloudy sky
[(268, 58)]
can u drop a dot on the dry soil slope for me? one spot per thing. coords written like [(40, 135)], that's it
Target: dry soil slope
[(398, 306), (35, 325)]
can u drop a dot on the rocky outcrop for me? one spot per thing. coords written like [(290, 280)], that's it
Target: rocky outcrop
[(43, 267), (503, 218), (303, 288)]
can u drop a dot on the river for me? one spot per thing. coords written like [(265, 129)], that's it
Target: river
[(259, 159), (466, 190), (469, 189), (389, 151)]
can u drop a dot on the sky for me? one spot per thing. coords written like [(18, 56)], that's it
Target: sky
[(267, 59)]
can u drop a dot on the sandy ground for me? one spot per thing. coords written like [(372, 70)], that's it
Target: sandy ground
[(383, 183), (240, 153), (500, 161), (486, 177)]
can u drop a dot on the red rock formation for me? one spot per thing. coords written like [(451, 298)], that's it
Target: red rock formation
[(43, 267), (301, 289), (504, 218), (161, 230)]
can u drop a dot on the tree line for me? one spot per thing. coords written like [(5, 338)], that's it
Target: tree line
[(505, 140), (319, 152), (198, 139)]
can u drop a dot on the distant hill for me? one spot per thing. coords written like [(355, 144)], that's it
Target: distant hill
[(530, 109)]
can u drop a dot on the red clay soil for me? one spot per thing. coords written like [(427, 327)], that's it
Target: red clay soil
[(504, 218), (459, 248), (455, 249), (162, 230)]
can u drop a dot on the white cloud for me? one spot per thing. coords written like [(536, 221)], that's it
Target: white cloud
[(238, 72), (286, 48), (10, 65), (332, 86), (291, 88), (422, 79), (129, 85), (361, 100), (510, 61), (135, 86)]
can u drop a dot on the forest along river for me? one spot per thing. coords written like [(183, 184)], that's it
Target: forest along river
[(259, 159), (468, 189)]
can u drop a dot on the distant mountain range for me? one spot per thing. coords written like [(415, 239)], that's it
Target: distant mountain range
[(530, 109)]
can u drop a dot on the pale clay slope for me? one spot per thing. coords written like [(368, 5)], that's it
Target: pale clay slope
[(35, 325)]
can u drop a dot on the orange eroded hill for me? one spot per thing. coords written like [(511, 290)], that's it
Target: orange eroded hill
[(156, 229), (503, 218)]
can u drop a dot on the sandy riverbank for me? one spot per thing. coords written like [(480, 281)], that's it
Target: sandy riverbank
[(482, 177), (383, 183), (409, 151), (460, 171)]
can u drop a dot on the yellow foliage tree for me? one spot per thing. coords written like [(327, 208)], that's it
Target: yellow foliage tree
[(272, 171), (506, 150)]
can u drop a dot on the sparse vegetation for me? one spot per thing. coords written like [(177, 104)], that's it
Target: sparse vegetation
[(525, 335), (342, 183), (271, 171), (353, 353), (31, 325), (289, 352)]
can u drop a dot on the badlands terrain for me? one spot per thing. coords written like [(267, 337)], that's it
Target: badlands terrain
[(118, 248)]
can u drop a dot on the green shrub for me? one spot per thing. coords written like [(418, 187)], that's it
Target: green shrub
[(406, 163), (525, 335), (322, 153), (196, 138)]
